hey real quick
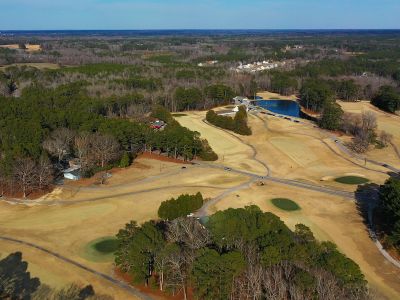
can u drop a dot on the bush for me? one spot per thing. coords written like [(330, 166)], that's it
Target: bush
[(125, 161)]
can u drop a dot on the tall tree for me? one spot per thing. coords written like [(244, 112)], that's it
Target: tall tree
[(389, 195), (331, 118), (59, 143), (105, 148), (25, 174)]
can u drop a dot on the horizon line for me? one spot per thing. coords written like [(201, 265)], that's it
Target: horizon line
[(201, 29)]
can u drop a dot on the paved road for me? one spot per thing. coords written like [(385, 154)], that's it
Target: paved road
[(114, 197), (130, 289)]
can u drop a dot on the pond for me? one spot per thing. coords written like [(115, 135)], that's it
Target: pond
[(282, 107)]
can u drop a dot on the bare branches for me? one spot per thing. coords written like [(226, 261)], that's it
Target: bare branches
[(59, 143), (25, 174)]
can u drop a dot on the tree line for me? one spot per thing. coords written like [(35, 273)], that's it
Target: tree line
[(237, 124), (237, 254)]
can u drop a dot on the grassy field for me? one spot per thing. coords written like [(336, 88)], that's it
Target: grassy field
[(352, 180), (231, 152), (269, 95), (40, 66), (285, 204), (387, 122), (29, 47)]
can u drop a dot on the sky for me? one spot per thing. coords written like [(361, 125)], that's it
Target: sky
[(200, 14)]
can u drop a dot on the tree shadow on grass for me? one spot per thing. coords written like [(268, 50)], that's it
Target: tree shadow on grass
[(367, 200)]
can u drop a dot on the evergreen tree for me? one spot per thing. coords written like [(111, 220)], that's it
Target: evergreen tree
[(389, 194), (331, 116)]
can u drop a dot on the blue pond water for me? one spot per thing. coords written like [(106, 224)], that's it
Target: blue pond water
[(283, 107)]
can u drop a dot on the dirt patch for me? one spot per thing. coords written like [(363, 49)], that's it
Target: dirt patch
[(163, 158)]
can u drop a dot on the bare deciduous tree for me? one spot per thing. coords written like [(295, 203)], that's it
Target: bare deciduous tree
[(385, 138), (44, 172), (25, 174), (83, 148), (59, 143), (188, 231), (105, 148)]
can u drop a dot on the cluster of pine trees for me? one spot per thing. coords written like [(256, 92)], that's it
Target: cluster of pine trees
[(180, 207), (238, 124), (389, 211), (237, 254), (388, 99)]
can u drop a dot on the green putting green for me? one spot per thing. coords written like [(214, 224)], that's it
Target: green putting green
[(106, 246), (100, 250), (351, 180), (285, 204)]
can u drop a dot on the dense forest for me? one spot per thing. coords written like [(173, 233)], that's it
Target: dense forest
[(238, 254), (45, 127)]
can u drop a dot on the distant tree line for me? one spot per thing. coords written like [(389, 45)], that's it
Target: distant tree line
[(238, 124), (237, 254)]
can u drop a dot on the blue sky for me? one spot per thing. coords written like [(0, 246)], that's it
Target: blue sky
[(200, 14)]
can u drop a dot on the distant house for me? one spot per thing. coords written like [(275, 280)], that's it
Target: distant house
[(73, 173), (239, 100)]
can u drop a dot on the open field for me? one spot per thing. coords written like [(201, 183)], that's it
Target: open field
[(269, 95), (387, 122), (29, 47), (231, 152), (40, 66), (303, 152)]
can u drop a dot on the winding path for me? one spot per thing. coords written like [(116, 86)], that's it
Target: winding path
[(130, 289)]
